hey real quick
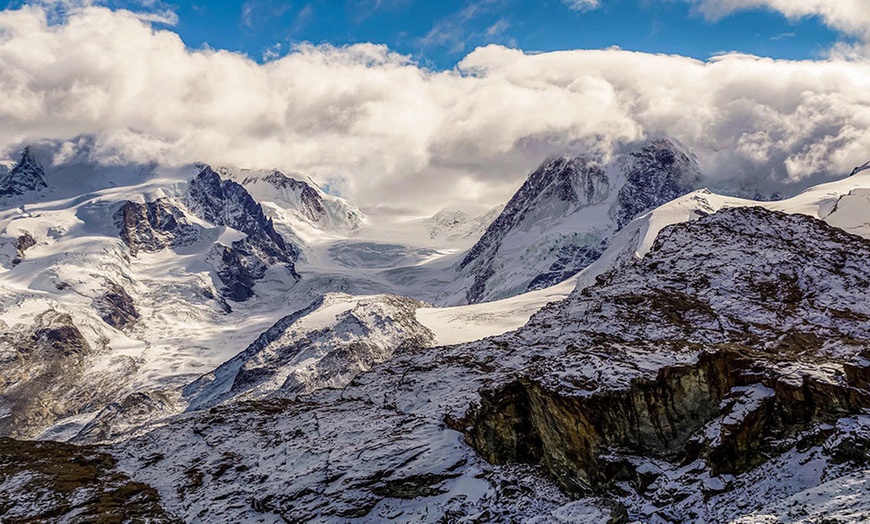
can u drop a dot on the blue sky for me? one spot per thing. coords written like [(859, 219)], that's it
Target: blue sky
[(437, 34), (368, 123)]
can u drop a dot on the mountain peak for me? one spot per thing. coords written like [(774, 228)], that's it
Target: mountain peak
[(660, 171), (27, 175)]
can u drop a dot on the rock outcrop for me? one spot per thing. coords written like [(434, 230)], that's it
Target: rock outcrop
[(154, 226), (24, 242), (44, 375), (116, 307), (660, 172), (227, 203)]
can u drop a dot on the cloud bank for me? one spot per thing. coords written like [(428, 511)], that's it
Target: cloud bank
[(384, 131)]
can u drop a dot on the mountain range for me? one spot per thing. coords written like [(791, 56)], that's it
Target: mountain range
[(615, 344)]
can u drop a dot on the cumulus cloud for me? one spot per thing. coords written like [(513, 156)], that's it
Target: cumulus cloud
[(385, 131)]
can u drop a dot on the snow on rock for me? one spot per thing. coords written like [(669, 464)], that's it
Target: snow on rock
[(561, 220), (324, 345), (27, 176), (299, 195), (612, 393)]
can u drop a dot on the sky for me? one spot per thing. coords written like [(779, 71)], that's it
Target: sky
[(415, 105)]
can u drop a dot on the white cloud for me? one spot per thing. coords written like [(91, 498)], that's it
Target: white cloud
[(849, 16), (386, 131), (582, 5)]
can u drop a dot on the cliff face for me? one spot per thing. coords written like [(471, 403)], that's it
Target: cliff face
[(778, 334), (726, 410)]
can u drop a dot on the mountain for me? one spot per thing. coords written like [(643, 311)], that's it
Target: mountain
[(28, 175), (324, 345), (563, 216), (296, 199), (93, 290), (238, 357), (727, 365)]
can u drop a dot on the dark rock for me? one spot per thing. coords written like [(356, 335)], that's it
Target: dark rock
[(660, 173), (238, 267), (28, 175), (22, 244), (44, 358), (577, 182), (154, 226), (736, 391), (116, 307), (226, 203)]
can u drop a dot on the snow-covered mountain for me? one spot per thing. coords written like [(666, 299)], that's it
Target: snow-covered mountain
[(562, 218), (297, 195), (27, 175), (239, 343), (692, 385)]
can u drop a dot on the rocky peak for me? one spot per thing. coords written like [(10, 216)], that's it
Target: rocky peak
[(574, 182), (153, 226), (660, 172), (310, 201), (27, 175), (227, 203)]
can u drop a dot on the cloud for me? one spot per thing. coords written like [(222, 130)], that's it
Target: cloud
[(582, 5), (852, 17), (385, 131)]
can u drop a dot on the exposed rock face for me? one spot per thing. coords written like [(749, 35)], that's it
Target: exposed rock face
[(24, 242), (34, 366), (227, 203), (154, 226), (659, 173), (579, 181), (28, 175), (116, 307), (46, 374), (570, 260), (324, 345), (728, 409), (54, 482), (733, 353), (238, 267), (778, 322)]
